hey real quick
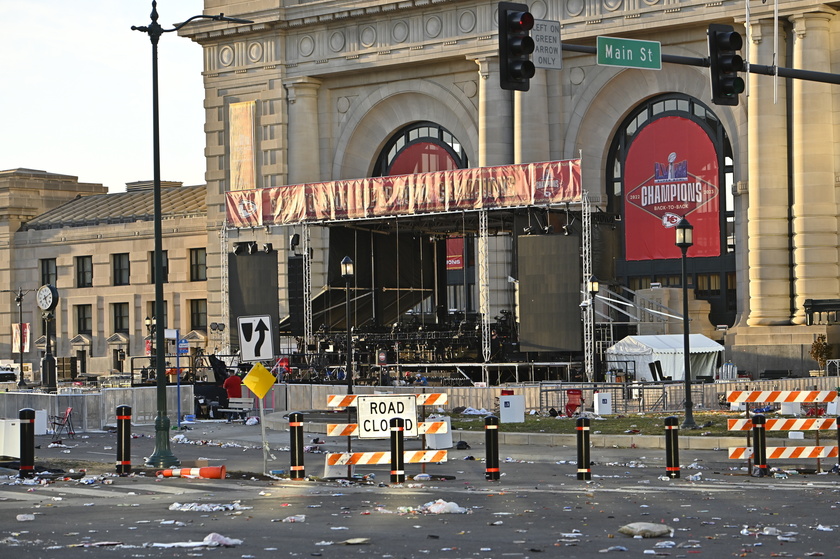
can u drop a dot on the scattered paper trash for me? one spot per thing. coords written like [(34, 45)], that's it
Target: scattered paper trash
[(355, 541), (212, 540), (442, 507), (207, 507), (646, 530)]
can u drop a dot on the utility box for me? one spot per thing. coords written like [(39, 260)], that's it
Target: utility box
[(603, 403), (512, 409), (791, 408), (40, 422), (10, 438), (440, 440)]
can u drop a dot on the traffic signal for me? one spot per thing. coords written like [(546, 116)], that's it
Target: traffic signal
[(515, 46), (725, 63)]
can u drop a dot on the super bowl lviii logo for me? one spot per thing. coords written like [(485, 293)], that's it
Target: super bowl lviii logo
[(671, 171)]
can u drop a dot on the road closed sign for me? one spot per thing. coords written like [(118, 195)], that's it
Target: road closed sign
[(375, 413)]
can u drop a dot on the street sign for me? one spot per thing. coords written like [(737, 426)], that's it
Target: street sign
[(547, 51), (255, 340), (375, 413), (629, 53), (259, 380)]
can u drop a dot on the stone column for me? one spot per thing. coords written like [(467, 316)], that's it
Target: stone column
[(814, 203), (304, 163), (530, 117), (769, 260), (495, 116)]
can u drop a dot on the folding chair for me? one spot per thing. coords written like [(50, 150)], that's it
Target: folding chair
[(574, 401), (63, 424)]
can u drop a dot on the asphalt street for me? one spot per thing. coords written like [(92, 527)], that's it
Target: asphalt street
[(538, 508)]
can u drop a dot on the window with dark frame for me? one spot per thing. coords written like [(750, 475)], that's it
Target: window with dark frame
[(198, 314), (198, 264), (84, 319), (165, 258), (49, 272), (121, 272), (121, 321), (84, 271)]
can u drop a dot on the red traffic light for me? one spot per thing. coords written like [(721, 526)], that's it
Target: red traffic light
[(520, 21), (515, 46)]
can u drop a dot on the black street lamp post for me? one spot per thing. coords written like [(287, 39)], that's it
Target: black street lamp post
[(162, 456), (347, 273), (684, 240), (151, 324), (19, 294), (593, 286)]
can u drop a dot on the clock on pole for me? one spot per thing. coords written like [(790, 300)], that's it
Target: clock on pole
[(47, 297)]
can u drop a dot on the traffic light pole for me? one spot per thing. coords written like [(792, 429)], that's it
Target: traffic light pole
[(809, 75)]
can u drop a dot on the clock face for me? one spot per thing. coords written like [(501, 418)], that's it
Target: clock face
[(46, 297)]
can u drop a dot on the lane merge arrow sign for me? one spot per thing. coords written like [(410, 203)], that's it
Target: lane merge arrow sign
[(255, 339)]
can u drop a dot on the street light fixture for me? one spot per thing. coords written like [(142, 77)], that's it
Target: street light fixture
[(347, 272), (162, 456), (684, 240), (593, 286)]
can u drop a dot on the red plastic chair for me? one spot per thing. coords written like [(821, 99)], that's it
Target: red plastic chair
[(574, 401)]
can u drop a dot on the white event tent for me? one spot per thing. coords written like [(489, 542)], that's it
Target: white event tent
[(634, 353)]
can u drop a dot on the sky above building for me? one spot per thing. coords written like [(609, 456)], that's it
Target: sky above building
[(76, 92)]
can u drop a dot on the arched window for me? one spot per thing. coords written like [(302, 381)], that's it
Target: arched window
[(421, 147), (714, 279)]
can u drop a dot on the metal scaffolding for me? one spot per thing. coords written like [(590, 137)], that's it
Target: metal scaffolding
[(484, 284), (588, 300)]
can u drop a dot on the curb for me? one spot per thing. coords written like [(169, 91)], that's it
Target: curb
[(277, 422)]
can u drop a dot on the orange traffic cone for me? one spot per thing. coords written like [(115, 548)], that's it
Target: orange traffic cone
[(211, 472)]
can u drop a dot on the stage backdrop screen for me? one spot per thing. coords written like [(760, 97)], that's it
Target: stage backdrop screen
[(549, 293), (253, 289), (671, 171)]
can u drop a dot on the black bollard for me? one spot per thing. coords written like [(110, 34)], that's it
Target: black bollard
[(27, 442), (123, 440), (672, 447), (491, 443), (759, 445), (584, 472), (297, 471), (397, 450)]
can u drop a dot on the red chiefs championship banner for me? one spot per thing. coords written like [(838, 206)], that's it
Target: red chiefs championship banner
[(546, 183), (671, 171)]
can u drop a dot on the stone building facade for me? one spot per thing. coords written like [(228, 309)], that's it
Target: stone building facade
[(317, 91)]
